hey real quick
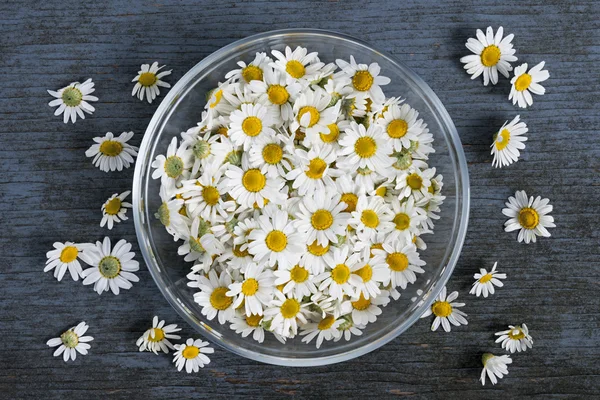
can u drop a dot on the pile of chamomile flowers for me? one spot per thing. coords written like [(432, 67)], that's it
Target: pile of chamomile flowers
[(301, 197)]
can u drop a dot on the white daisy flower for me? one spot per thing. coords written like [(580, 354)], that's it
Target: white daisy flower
[(277, 90), (371, 277), (365, 244), (338, 88), (350, 192), (205, 196), (213, 296), (313, 170), (320, 217), (348, 328), (72, 100), (507, 143), (525, 82), (168, 214), (340, 280), (243, 229), (365, 78), (314, 257), (372, 216), (276, 240), (201, 245), (415, 182), (269, 154), (516, 338), (249, 124), (192, 355), (408, 218), (298, 280), (224, 151), (325, 329), (217, 104), (175, 165), (492, 53), (298, 65), (148, 80), (445, 311), (249, 324), (157, 337), (354, 105), (284, 313), (255, 291), (422, 146), (401, 125), (401, 262), (112, 153), (72, 342), (236, 258), (249, 186), (528, 215), (366, 310), (313, 114), (495, 367), (63, 257), (366, 178), (201, 143), (364, 148), (112, 269), (114, 209), (254, 71), (485, 281)]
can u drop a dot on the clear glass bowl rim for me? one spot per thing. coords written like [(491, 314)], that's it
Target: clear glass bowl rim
[(141, 215)]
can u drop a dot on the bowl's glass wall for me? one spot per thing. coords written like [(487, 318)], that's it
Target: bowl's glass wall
[(182, 109)]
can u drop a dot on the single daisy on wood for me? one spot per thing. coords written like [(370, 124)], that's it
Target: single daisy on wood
[(65, 256), (192, 355), (72, 100), (528, 215), (147, 81), (525, 82), (112, 153), (485, 281), (114, 209), (516, 338), (157, 338), (494, 366), (72, 342), (508, 141), (445, 311)]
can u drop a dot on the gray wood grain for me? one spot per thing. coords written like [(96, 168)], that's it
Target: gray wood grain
[(50, 191)]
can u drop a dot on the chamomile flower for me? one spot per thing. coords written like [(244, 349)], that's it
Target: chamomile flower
[(284, 313), (114, 209), (313, 114), (320, 217), (366, 178), (65, 257), (205, 195), (372, 216), (298, 280), (249, 124), (298, 65), (507, 143), (174, 166), (277, 90), (72, 342), (269, 155), (529, 216), (401, 125), (192, 355), (112, 153), (313, 170), (111, 269), (157, 337), (350, 192), (401, 262), (371, 277), (526, 82), (516, 338), (495, 367), (348, 328), (236, 258), (217, 104), (72, 100), (255, 291), (148, 80), (445, 310), (254, 71), (492, 54), (485, 281), (364, 148), (201, 144), (213, 296), (364, 78), (314, 257), (249, 186), (407, 220), (365, 310), (415, 182), (339, 279), (168, 214), (325, 329), (249, 324), (201, 245)]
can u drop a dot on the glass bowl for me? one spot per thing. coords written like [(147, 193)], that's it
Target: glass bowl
[(182, 108)]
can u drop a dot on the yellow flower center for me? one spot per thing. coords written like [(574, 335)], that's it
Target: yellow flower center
[(250, 287), (70, 339), (111, 148), (528, 218), (365, 147), (252, 73), (516, 334), (326, 323), (211, 195), (295, 69), (290, 308), (369, 218), (502, 139), (219, 300), (272, 153), (316, 168), (222, 131), (402, 221), (278, 94), (350, 199), (523, 82), (109, 267), (397, 128), (190, 352), (321, 219), (361, 304), (414, 181), (485, 278), (69, 254), (299, 274), (147, 79), (252, 126), (332, 136), (314, 115), (217, 98), (381, 191), (113, 206), (366, 273), (316, 249), (397, 262), (490, 55), (362, 80), (254, 320), (340, 274), (239, 253), (253, 180), (159, 335), (441, 309), (276, 241)]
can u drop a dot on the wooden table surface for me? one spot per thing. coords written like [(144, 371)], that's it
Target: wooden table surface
[(49, 191)]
